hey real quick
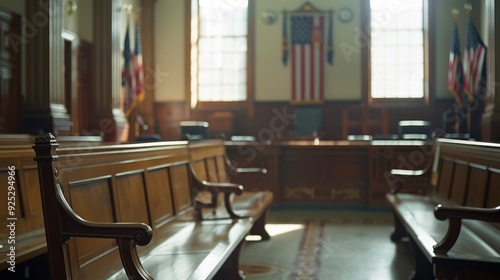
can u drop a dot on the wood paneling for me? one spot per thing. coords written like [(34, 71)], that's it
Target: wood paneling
[(274, 120), (158, 187), (331, 172), (10, 71), (460, 182), (479, 177), (493, 197), (180, 187)]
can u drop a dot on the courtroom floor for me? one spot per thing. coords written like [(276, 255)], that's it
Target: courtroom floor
[(316, 245), (330, 245)]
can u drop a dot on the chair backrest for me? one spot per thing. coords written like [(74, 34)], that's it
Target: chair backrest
[(308, 120), (195, 130), (415, 129)]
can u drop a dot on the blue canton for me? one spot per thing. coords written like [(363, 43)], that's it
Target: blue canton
[(301, 30)]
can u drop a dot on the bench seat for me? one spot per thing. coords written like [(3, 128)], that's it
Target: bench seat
[(194, 250), (454, 228), (476, 238), (99, 203)]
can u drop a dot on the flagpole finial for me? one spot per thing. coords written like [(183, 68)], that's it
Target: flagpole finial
[(127, 8), (455, 12), (468, 8)]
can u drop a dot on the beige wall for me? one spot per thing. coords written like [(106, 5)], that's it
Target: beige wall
[(81, 21), (16, 6), (272, 79), (170, 51)]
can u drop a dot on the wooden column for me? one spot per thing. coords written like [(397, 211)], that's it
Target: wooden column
[(491, 117), (146, 107), (107, 115), (43, 108)]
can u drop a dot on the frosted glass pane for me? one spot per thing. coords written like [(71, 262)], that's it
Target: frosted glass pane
[(378, 55), (234, 77), (210, 44), (222, 52), (397, 49), (234, 61), (210, 60), (238, 44), (207, 77)]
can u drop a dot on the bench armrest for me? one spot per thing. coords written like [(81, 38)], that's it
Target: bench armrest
[(397, 177), (74, 226), (222, 187), (455, 215), (215, 188), (126, 234)]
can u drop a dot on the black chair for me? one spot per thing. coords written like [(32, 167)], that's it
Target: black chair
[(193, 130), (414, 130), (308, 121)]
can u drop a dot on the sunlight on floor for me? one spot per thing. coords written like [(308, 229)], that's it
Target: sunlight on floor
[(276, 229)]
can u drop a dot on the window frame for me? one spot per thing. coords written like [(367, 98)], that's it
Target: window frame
[(241, 106), (428, 18)]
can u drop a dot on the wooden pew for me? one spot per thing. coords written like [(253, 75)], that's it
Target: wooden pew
[(455, 227), (99, 204), (210, 166), (16, 152)]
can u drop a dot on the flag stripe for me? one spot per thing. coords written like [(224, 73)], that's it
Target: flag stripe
[(474, 61), (307, 57), (455, 71)]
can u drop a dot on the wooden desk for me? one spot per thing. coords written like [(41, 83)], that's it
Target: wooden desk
[(342, 173)]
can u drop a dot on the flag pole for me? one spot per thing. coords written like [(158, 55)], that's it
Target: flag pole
[(468, 11), (455, 12)]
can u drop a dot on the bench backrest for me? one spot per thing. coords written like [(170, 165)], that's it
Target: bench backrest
[(16, 152), (208, 159), (146, 183), (467, 173), (208, 163)]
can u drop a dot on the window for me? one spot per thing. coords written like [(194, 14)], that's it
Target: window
[(397, 52), (219, 47)]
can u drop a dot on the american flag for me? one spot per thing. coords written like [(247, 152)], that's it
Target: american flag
[(455, 71), (474, 62), (132, 74), (307, 44)]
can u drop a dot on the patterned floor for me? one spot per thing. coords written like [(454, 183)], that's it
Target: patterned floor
[(328, 245)]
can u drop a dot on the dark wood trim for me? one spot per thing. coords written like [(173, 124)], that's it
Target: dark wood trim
[(187, 60), (10, 72), (491, 117), (276, 113), (251, 60), (365, 54), (147, 36), (44, 108), (71, 45), (430, 57), (107, 117)]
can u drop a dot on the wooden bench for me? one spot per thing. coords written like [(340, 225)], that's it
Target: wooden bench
[(99, 204), (454, 228), (210, 166), (16, 151)]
